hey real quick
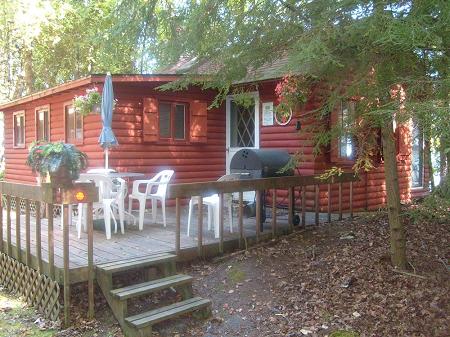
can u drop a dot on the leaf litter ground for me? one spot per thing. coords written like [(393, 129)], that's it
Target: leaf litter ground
[(331, 280)]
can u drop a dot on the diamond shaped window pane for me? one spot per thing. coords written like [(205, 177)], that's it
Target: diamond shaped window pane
[(242, 126)]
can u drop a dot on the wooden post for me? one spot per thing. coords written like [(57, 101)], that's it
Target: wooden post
[(291, 209), (258, 215), (27, 233), (340, 201), (8, 225), (90, 230), (329, 203), (316, 204), (221, 223), (51, 242), (351, 199), (200, 226), (38, 237), (241, 218), (274, 213), (303, 205), (177, 227), (65, 209), (18, 243)]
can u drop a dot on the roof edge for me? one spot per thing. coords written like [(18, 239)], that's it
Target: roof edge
[(94, 78)]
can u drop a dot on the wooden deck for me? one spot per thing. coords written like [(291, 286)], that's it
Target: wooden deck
[(134, 243)]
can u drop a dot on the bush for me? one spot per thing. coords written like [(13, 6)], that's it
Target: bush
[(434, 208)]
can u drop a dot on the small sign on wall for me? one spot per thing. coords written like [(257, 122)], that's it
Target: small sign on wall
[(267, 118)]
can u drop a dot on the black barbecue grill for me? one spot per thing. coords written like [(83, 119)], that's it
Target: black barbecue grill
[(257, 163), (260, 163)]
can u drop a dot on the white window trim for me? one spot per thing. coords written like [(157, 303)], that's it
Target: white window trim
[(422, 186), (341, 122), (229, 98), (66, 136), (36, 111), (19, 146)]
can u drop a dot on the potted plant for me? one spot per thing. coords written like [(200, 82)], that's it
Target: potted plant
[(58, 163), (90, 102)]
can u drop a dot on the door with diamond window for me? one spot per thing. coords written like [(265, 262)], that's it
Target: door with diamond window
[(242, 127)]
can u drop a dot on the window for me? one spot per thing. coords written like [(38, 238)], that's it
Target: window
[(74, 124), (19, 129), (43, 124), (172, 121), (242, 125), (417, 157), (346, 143)]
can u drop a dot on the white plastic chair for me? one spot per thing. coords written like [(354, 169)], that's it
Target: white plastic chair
[(111, 198), (160, 182), (213, 207)]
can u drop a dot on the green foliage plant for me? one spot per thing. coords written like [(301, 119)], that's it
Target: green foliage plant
[(330, 173), (344, 333), (434, 208), (48, 159), (292, 91), (85, 104), (293, 163)]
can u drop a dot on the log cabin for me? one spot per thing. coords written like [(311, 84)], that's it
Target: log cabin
[(178, 130)]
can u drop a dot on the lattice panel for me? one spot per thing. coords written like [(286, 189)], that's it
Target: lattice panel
[(38, 290), (56, 209)]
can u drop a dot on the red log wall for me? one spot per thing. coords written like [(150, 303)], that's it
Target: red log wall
[(15, 158), (197, 162)]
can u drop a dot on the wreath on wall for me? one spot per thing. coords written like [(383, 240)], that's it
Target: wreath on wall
[(283, 114)]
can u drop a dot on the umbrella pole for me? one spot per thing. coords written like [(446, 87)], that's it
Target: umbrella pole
[(106, 158)]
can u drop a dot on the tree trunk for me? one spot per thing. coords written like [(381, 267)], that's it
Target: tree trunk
[(28, 71), (397, 231)]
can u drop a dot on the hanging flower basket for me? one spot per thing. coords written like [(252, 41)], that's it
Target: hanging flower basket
[(96, 109), (88, 103)]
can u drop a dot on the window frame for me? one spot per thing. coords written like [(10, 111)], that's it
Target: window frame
[(422, 154), (75, 141), (341, 120), (22, 145), (336, 120), (36, 119), (171, 138)]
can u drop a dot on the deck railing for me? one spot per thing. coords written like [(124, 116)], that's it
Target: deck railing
[(203, 189), (19, 266)]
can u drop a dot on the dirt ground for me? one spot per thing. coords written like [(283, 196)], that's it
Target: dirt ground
[(331, 280)]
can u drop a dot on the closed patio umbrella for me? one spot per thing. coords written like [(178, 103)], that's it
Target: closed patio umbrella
[(107, 138)]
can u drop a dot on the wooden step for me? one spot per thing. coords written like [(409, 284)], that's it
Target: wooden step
[(135, 263), (140, 289), (149, 318)]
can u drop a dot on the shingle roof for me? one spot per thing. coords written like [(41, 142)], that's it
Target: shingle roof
[(192, 65)]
